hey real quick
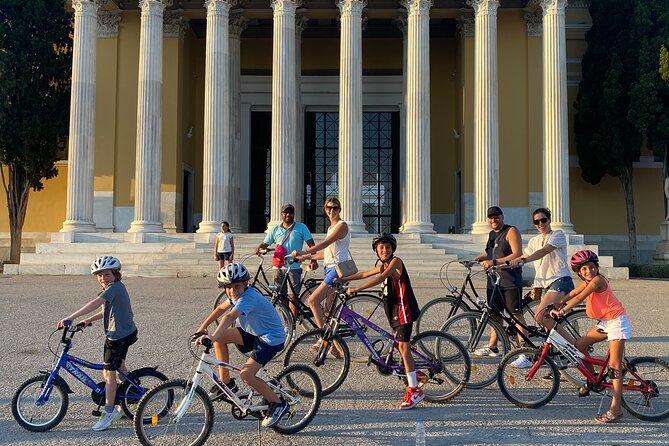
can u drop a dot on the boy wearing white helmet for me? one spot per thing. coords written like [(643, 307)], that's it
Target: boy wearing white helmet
[(259, 332), (119, 326)]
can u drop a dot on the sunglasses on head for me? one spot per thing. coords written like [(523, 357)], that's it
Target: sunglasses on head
[(540, 220), (333, 208)]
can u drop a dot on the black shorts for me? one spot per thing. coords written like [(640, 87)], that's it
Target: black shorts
[(509, 300), (403, 332), (262, 353), (223, 256), (116, 351)]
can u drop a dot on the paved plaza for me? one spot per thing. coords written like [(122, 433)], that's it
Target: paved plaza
[(362, 412)]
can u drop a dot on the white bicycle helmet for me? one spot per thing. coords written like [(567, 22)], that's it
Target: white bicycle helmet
[(105, 262), (232, 273)]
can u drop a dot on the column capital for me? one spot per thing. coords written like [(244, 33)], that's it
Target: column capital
[(175, 24), (466, 24), (237, 23), (402, 23), (79, 5), (219, 6), (148, 6), (535, 22), (558, 5), (285, 6), (350, 7), (108, 24), (484, 6), (419, 6), (301, 23)]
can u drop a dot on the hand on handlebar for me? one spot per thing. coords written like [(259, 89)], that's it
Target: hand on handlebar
[(486, 263), (63, 323)]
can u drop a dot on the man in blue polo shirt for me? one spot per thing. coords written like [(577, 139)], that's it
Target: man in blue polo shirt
[(290, 235)]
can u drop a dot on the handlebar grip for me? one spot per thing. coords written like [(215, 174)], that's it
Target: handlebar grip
[(207, 343), (67, 323)]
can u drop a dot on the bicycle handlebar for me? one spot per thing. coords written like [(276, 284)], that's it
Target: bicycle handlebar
[(67, 329)]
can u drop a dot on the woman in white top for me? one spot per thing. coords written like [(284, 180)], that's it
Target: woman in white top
[(548, 251), (334, 250), (224, 247)]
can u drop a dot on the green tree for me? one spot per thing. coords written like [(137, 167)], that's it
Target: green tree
[(664, 63), (35, 64), (606, 142)]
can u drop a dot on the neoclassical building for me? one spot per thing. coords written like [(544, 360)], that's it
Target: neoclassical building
[(417, 114)]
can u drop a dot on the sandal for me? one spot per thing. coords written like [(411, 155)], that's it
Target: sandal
[(608, 417)]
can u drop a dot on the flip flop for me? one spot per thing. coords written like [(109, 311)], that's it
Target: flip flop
[(608, 417)]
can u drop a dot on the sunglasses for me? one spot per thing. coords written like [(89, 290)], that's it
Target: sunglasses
[(332, 208), (540, 220)]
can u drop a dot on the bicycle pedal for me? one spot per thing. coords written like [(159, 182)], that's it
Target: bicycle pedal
[(96, 413), (583, 391)]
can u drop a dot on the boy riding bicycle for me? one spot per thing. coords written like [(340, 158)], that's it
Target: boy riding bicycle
[(260, 333), (119, 326), (400, 305)]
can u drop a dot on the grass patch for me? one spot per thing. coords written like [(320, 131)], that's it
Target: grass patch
[(649, 270)]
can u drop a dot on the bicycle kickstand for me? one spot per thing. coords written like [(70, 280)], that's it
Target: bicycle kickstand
[(605, 394)]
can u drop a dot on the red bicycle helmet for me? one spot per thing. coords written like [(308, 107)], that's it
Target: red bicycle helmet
[(582, 257)]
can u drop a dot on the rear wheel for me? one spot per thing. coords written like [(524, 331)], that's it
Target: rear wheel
[(161, 404), (437, 311), (577, 323), (467, 329), (39, 418), (648, 400), (301, 389), (139, 382), (522, 391)]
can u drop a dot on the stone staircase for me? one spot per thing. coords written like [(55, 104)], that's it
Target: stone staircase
[(191, 255)]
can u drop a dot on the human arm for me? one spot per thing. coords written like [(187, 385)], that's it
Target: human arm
[(536, 255), (225, 323), (395, 266), (578, 295), (260, 247), (215, 314), (232, 246), (94, 304), (361, 275), (216, 248), (314, 264), (338, 234), (95, 317)]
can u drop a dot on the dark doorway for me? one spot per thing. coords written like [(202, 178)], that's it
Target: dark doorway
[(261, 144), (187, 222)]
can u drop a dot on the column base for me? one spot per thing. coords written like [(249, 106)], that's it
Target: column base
[(662, 250), (145, 226), (78, 226), (417, 227), (567, 228), (209, 226), (480, 228), (357, 227)]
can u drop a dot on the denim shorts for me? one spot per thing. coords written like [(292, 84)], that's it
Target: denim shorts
[(616, 329), (562, 285), (330, 274)]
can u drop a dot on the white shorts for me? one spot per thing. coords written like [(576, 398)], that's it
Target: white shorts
[(616, 329)]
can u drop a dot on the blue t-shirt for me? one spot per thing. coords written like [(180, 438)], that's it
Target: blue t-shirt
[(295, 241), (259, 317)]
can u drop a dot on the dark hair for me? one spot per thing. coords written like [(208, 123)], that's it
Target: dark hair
[(226, 224), (544, 211), (334, 200)]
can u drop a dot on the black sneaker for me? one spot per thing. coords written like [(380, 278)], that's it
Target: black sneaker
[(276, 411), (216, 393)]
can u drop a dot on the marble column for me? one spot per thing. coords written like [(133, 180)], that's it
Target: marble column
[(350, 113), (301, 23), (486, 119), (238, 24), (556, 130), (418, 205), (283, 170), (217, 166), (81, 150), (402, 24), (148, 160)]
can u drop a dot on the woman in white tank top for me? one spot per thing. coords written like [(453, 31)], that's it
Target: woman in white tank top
[(332, 250)]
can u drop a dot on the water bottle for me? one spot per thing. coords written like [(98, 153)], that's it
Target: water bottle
[(420, 432)]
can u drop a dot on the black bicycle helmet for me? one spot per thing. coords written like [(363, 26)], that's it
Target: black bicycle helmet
[(385, 238), (232, 273)]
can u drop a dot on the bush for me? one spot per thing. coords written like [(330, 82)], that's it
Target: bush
[(649, 270)]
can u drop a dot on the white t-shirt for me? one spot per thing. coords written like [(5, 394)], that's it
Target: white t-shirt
[(554, 265), (338, 251), (224, 244)]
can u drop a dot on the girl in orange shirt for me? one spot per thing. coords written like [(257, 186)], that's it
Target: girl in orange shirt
[(613, 324)]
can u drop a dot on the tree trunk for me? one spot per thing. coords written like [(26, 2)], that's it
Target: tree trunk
[(665, 171), (18, 191), (628, 188)]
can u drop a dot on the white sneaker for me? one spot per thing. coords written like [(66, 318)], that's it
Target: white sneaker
[(106, 419), (522, 362), (486, 351)]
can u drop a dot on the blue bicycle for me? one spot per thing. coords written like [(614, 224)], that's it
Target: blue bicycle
[(41, 402)]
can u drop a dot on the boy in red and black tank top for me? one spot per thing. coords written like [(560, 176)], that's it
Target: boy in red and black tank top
[(400, 305)]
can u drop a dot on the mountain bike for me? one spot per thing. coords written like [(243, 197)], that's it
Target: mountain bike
[(645, 379), (442, 363), (470, 328), (180, 412), (41, 402)]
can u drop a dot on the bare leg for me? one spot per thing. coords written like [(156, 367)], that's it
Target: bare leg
[(617, 350), (110, 387), (551, 298), (230, 336), (248, 375), (405, 351), (315, 300), (585, 341)]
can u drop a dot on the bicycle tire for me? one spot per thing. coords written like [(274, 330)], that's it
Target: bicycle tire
[(647, 406), (331, 371), (301, 388), (159, 404), (464, 328), (528, 394), (371, 308), (437, 311), (142, 380), (25, 411), (449, 378)]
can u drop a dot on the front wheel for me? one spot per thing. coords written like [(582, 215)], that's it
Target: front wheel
[(300, 387), (39, 418), (332, 367), (133, 389), (519, 388), (646, 388), (442, 365), (161, 406)]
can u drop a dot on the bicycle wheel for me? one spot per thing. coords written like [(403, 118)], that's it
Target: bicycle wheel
[(136, 386), (331, 370), (447, 370), (467, 329), (220, 298), (530, 311), (161, 404), (43, 417), (371, 308), (437, 311), (577, 323), (287, 322), (301, 388), (646, 373), (525, 392)]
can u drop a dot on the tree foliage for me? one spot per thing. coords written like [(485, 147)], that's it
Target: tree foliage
[(35, 64)]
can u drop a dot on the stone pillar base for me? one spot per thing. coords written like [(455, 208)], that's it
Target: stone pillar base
[(417, 227), (78, 226), (146, 226), (567, 228), (480, 228), (209, 226), (357, 227), (662, 250)]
